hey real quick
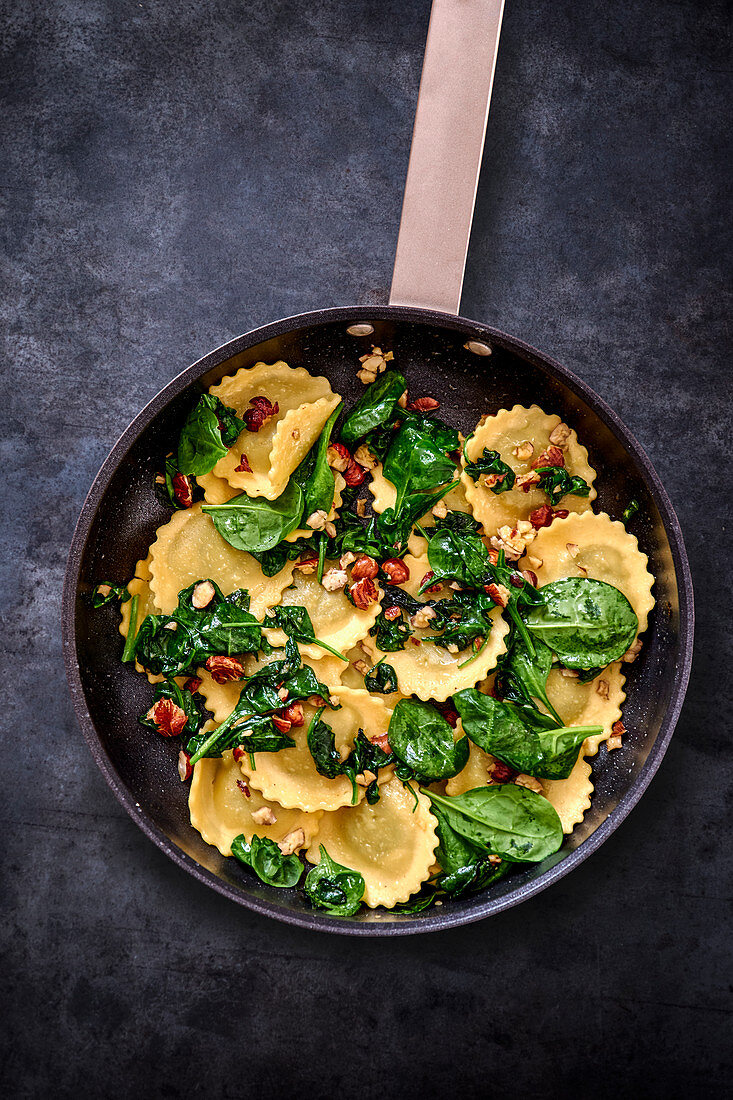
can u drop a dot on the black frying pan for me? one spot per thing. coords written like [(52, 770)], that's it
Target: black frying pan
[(472, 369)]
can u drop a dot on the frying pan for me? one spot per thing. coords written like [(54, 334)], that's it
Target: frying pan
[(473, 369)]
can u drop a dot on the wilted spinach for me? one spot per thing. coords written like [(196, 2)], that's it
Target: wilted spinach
[(331, 886), (416, 464), (422, 739), (524, 674), (191, 703), (490, 463), (128, 651), (381, 679), (521, 736), (295, 621), (394, 526), (465, 866), (557, 483), (505, 820), (586, 623), (256, 524), (251, 732), (211, 428), (314, 475), (105, 593), (364, 756), (263, 856), (631, 509), (375, 408)]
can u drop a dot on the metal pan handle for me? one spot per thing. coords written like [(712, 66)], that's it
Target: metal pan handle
[(445, 156)]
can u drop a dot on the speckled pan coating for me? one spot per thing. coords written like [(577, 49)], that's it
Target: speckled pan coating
[(121, 513)]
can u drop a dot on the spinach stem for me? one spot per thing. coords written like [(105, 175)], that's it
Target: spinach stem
[(129, 651), (422, 531), (475, 655), (321, 556), (330, 649)]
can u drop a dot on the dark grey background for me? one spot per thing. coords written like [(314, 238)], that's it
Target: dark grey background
[(177, 173)]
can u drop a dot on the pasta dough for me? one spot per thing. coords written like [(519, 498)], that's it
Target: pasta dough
[(384, 496), (335, 621)]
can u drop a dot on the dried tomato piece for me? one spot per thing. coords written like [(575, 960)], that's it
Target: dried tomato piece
[(244, 466), (541, 517), (261, 412)]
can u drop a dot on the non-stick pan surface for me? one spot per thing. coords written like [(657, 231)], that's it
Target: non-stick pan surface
[(121, 514)]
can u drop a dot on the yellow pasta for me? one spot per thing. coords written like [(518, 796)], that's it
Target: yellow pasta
[(571, 796), (290, 776), (594, 545), (430, 671), (305, 404), (506, 432), (384, 496), (391, 844), (189, 548), (335, 620), (140, 586), (221, 806), (595, 704), (475, 773)]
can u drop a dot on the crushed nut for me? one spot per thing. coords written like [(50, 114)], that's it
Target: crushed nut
[(244, 788), (392, 613), (633, 652), (295, 434), (373, 364), (361, 666), (396, 570), (173, 627), (499, 594), (294, 714), (428, 577), (499, 772), (183, 490), (534, 563), (364, 778), (572, 548), (452, 647), (530, 783), (282, 694), (261, 412), (364, 566), (530, 577), (569, 673), (560, 435), (553, 456), (524, 450), (281, 723), (354, 474), (422, 617), (361, 507), (346, 559), (526, 481), (263, 816), (541, 517), (185, 770), (292, 841), (306, 564), (338, 457), (317, 520), (363, 593), (225, 669), (423, 405), (402, 400), (169, 719), (330, 529), (440, 510), (334, 579), (514, 540), (614, 741), (364, 457), (382, 739), (602, 687), (203, 594)]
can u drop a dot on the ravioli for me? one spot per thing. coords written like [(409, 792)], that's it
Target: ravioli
[(384, 496), (391, 844), (140, 586), (597, 703), (290, 776), (221, 805), (189, 548), (335, 620), (430, 671), (594, 545), (571, 796), (503, 433), (475, 774), (305, 404)]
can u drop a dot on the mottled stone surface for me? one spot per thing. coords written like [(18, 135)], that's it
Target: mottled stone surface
[(177, 173)]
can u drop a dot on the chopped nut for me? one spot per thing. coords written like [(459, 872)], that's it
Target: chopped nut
[(452, 647), (263, 816), (423, 405), (293, 712), (440, 510), (402, 400), (499, 594), (193, 683), (104, 589), (363, 593), (173, 627), (306, 564), (282, 694), (499, 772), (495, 859), (364, 457), (168, 718), (553, 456), (281, 723), (614, 741), (534, 563), (415, 641), (261, 412), (428, 577), (346, 559), (364, 566), (602, 688), (569, 673), (366, 377), (526, 481), (382, 739), (392, 613), (203, 594), (560, 435), (572, 548), (422, 617), (185, 770), (361, 507), (159, 479), (330, 529), (396, 570), (225, 669), (541, 517), (364, 778), (530, 783), (244, 466), (513, 540), (295, 434), (490, 480), (183, 490), (360, 666), (354, 474), (338, 457), (560, 513), (334, 579), (292, 841), (317, 520), (376, 362), (334, 700), (530, 577), (243, 786), (633, 652), (524, 450)]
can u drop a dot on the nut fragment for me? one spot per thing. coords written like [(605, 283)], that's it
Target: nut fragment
[(168, 718), (514, 540), (354, 474), (317, 520), (294, 714), (602, 688), (422, 617), (334, 579), (338, 457), (364, 457), (396, 570), (423, 405), (363, 593), (281, 723), (364, 566), (282, 694), (392, 613), (428, 577), (261, 412), (572, 548), (569, 673), (346, 559), (183, 490), (526, 481), (530, 577), (225, 669), (263, 816), (499, 594), (244, 466), (560, 435), (541, 517), (382, 739), (530, 783), (633, 652), (203, 594), (306, 564), (499, 772), (553, 456), (361, 666), (361, 507), (440, 509), (292, 841), (524, 450), (185, 770), (618, 729)]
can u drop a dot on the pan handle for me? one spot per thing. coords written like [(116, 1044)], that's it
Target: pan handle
[(445, 156)]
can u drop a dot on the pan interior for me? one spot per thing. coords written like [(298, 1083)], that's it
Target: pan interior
[(122, 513)]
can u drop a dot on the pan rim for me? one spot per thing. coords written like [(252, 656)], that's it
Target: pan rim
[(446, 918)]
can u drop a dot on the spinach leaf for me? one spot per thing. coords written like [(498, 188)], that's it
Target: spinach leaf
[(374, 408), (457, 521), (456, 555), (256, 524), (444, 437), (264, 857), (586, 623), (557, 483), (272, 561), (505, 820), (391, 634), (416, 464), (393, 527), (191, 703), (422, 739), (211, 428), (166, 647), (465, 866), (333, 887), (520, 735), (295, 621), (225, 626), (419, 902), (364, 756), (128, 651), (490, 464), (631, 509), (105, 592), (253, 733), (528, 672), (462, 620), (381, 679), (314, 475), (322, 747)]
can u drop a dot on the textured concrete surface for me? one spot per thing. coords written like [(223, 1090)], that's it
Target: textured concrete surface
[(177, 173)]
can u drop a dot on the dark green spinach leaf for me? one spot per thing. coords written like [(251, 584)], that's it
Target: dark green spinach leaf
[(105, 593), (557, 483), (422, 739), (490, 464), (381, 679), (263, 856), (256, 524), (375, 408), (314, 475), (211, 428), (506, 820), (416, 464), (295, 621), (586, 623), (333, 887), (191, 703), (465, 866)]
